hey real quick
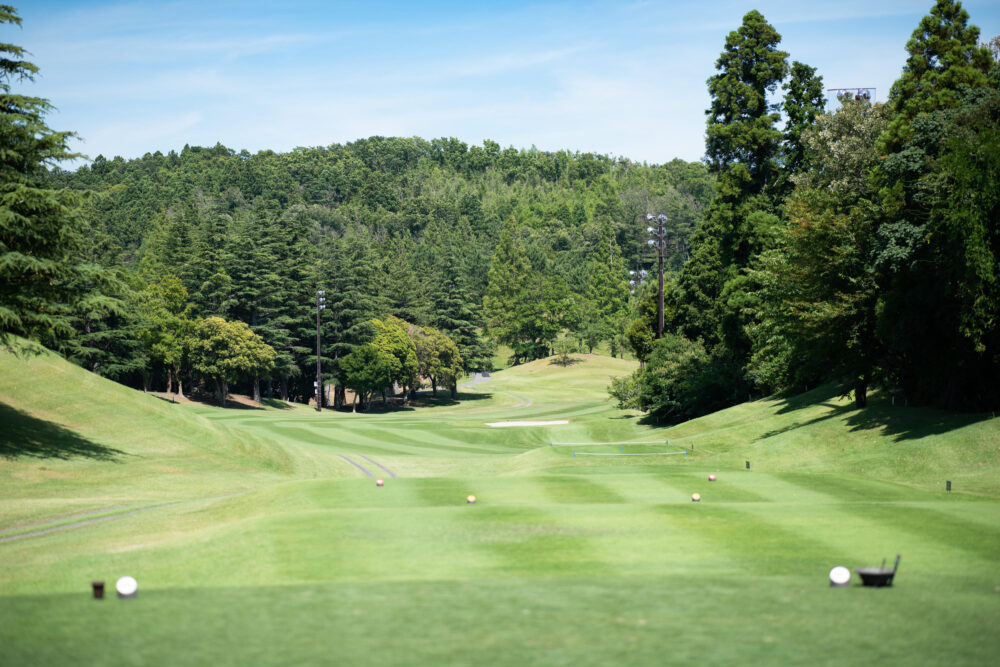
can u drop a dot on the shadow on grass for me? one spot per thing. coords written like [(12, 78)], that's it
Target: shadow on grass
[(893, 421), (907, 423), (276, 403), (423, 400), (24, 436), (564, 361)]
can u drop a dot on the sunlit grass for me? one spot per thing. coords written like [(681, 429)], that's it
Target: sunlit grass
[(255, 542)]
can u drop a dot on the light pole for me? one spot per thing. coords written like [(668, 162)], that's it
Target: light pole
[(320, 305), (659, 241)]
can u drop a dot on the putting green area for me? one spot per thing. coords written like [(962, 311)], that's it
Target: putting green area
[(260, 536)]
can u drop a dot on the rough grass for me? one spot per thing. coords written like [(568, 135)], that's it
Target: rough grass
[(263, 546)]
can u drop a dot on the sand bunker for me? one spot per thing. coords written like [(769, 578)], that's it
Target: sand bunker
[(554, 422)]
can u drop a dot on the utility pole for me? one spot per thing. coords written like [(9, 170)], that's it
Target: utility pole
[(659, 241), (320, 305)]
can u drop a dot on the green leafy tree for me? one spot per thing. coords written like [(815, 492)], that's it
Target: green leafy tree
[(366, 370), (819, 288), (439, 358), (940, 257), (40, 264), (804, 101), (392, 339), (222, 352), (742, 147), (923, 259), (679, 382), (943, 57), (167, 327)]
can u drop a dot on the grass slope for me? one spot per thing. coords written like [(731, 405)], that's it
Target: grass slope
[(563, 560)]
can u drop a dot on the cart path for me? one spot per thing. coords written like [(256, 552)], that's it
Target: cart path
[(366, 471), (477, 378), (101, 519), (391, 473), (523, 401)]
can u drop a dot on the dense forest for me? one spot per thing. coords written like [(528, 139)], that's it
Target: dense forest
[(859, 246)]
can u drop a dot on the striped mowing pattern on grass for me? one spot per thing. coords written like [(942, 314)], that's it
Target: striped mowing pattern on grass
[(596, 444), (561, 561), (627, 453)]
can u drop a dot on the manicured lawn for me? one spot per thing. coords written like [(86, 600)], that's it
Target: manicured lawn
[(265, 546)]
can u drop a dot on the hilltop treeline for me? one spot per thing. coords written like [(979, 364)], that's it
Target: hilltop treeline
[(384, 226)]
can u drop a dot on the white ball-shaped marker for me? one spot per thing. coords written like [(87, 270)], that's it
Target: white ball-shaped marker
[(471, 500), (711, 477), (840, 576), (126, 587), (696, 497), (379, 482)]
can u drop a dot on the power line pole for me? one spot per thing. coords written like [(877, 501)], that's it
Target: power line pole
[(320, 305)]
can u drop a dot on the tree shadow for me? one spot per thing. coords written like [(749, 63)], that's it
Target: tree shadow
[(24, 436), (422, 400), (894, 421), (275, 403), (909, 423), (564, 361)]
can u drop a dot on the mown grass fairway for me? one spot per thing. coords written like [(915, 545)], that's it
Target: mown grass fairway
[(255, 541)]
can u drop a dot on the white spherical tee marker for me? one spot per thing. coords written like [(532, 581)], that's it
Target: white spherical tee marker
[(126, 587), (840, 576)]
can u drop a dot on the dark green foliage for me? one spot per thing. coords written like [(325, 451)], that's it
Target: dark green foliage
[(944, 57), (41, 269), (680, 381), (940, 252), (741, 134), (743, 146), (804, 101)]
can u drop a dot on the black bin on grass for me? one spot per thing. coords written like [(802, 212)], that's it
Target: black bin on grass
[(878, 577)]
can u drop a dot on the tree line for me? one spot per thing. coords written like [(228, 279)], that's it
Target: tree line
[(860, 246)]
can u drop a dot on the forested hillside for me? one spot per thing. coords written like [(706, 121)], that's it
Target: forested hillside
[(385, 226)]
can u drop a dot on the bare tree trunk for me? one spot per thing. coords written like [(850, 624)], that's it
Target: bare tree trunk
[(180, 385), (224, 388), (454, 389), (354, 405), (861, 393), (170, 381), (434, 387), (256, 389)]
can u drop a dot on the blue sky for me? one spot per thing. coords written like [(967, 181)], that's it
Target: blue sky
[(621, 78)]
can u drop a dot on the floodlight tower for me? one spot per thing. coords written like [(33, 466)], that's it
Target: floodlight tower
[(856, 94), (320, 305), (659, 241)]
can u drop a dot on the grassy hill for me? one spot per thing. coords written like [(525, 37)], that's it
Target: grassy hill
[(256, 537)]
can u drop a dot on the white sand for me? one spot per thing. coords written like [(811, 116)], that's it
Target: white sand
[(554, 422)]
